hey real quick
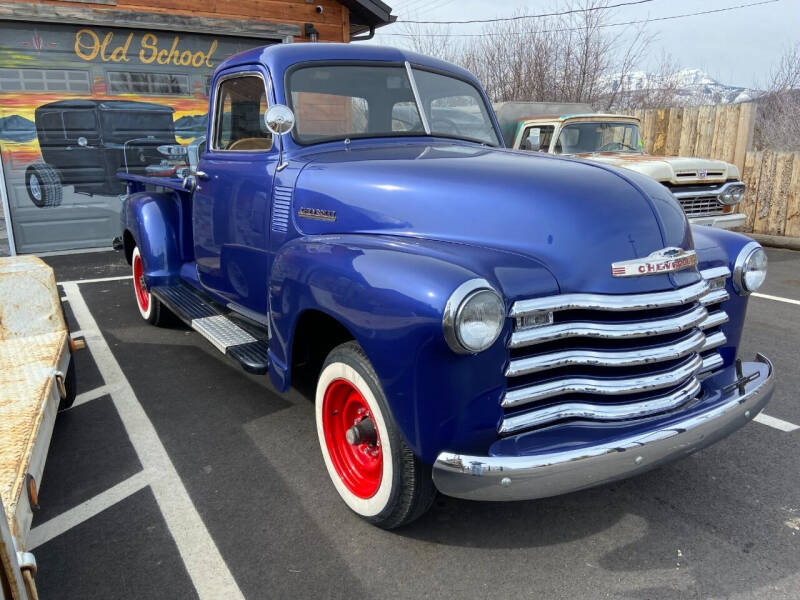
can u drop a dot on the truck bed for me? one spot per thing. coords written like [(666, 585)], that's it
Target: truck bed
[(34, 347)]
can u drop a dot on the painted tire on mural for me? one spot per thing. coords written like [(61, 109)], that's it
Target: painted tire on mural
[(44, 185)]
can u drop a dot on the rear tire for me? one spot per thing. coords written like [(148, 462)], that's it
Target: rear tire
[(150, 307), (383, 482), (44, 185)]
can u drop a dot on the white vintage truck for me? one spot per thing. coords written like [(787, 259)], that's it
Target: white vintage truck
[(708, 190)]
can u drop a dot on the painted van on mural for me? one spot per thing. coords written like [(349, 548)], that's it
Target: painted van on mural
[(79, 103)]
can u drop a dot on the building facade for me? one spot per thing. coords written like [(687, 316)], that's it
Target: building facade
[(89, 87)]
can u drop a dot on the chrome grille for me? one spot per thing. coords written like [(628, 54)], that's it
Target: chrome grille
[(701, 206), (612, 357)]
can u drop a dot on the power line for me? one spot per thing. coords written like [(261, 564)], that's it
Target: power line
[(651, 20), (523, 17)]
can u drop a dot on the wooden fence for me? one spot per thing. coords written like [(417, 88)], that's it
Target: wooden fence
[(725, 132), (772, 201), (722, 131)]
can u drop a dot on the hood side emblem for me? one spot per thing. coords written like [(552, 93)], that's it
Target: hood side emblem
[(317, 213), (666, 260)]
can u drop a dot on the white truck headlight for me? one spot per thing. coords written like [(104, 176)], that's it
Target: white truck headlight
[(732, 194), (750, 269), (473, 317)]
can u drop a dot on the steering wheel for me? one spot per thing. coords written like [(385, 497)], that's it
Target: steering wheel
[(619, 146)]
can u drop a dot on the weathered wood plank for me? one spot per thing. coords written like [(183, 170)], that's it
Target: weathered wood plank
[(674, 128), (764, 196), (751, 177), (705, 131), (792, 228), (744, 133), (660, 125), (689, 131), (776, 221), (729, 133)]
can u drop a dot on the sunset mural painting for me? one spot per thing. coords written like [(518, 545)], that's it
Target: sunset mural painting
[(77, 103)]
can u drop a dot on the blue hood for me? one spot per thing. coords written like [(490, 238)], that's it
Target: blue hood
[(574, 218)]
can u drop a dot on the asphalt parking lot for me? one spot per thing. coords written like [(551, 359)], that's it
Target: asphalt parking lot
[(178, 476)]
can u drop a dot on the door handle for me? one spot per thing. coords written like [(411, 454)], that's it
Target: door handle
[(201, 175)]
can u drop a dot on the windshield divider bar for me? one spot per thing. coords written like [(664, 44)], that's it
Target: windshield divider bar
[(420, 108)]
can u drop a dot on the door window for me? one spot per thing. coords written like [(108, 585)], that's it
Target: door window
[(239, 118), (537, 139)]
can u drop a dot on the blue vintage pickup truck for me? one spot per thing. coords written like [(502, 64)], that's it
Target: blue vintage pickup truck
[(490, 324)]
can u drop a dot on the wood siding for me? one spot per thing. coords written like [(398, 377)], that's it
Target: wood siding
[(333, 25)]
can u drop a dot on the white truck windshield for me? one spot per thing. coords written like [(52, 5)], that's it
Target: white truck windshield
[(590, 137)]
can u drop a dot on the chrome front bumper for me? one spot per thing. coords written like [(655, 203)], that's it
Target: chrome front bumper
[(726, 221), (551, 473)]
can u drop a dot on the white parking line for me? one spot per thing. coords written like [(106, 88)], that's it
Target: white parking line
[(207, 569), (97, 280), (86, 510), (91, 395), (777, 298), (776, 423)]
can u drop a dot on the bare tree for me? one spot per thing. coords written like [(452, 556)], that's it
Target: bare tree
[(777, 124)]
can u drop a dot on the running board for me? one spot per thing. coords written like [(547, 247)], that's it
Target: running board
[(243, 342)]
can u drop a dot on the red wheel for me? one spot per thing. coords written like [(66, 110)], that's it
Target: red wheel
[(353, 441), (369, 463), (149, 306), (139, 284)]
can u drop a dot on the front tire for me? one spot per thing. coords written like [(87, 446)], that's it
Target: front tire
[(44, 185), (374, 471), (150, 307)]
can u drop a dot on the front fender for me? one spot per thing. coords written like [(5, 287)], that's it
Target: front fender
[(154, 221), (390, 293), (719, 248)]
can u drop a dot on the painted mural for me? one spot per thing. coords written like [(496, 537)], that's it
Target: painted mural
[(79, 103)]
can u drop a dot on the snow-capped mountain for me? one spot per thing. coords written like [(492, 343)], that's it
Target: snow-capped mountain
[(694, 86)]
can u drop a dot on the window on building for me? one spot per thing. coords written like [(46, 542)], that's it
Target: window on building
[(125, 82), (239, 118), (44, 80)]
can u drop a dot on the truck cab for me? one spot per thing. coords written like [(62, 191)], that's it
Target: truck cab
[(475, 321), (708, 190)]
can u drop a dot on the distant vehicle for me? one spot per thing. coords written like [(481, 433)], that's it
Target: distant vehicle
[(478, 322), (85, 142), (708, 190)]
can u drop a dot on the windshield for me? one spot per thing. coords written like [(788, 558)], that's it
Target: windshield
[(333, 102), (578, 138), (123, 125)]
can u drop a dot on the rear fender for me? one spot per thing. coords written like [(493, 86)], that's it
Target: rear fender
[(154, 221)]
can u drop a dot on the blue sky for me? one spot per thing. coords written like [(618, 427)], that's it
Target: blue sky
[(737, 47)]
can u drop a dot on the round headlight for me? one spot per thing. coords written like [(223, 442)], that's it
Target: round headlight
[(473, 317), (750, 269), (733, 194), (738, 194), (726, 197)]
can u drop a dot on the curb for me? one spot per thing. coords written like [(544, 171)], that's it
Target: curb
[(776, 241)]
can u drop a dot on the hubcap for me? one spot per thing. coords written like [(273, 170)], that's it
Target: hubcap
[(142, 297), (33, 185), (352, 439)]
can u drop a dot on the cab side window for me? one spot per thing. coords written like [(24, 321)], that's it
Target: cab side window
[(537, 139), (239, 118)]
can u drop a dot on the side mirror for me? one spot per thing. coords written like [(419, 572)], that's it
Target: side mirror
[(279, 119)]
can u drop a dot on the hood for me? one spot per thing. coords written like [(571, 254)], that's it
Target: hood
[(572, 217), (675, 170)]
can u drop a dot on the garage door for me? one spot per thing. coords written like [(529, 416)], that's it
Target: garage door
[(79, 103)]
